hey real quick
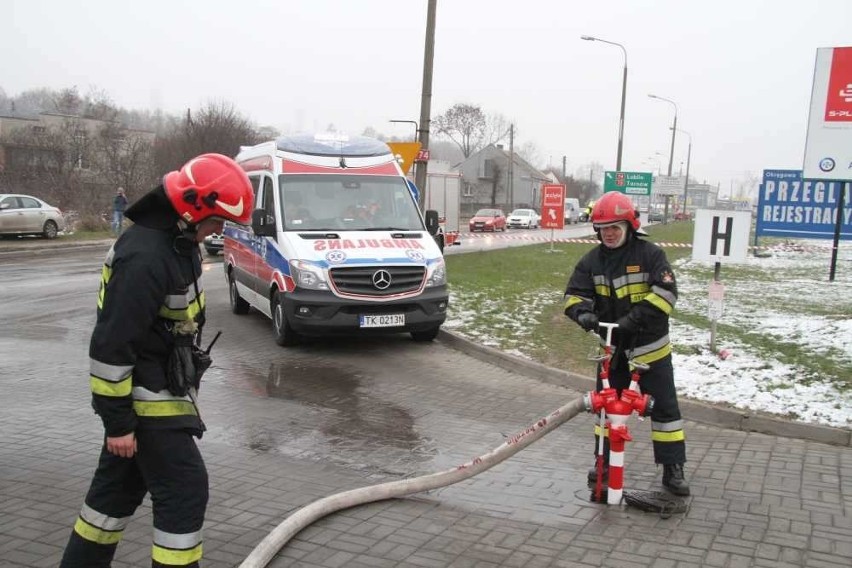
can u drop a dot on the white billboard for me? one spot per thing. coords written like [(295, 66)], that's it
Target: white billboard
[(828, 149), (667, 185)]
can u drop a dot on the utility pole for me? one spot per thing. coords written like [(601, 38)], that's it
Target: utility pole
[(564, 165), (512, 165), (426, 100)]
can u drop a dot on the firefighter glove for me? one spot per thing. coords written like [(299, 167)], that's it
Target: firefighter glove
[(626, 325), (588, 321)]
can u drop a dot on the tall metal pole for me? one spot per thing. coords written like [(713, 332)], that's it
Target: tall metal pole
[(686, 179), (671, 152), (674, 128), (426, 99), (511, 176), (623, 97), (621, 119)]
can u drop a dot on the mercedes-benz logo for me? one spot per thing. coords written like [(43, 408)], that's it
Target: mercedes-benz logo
[(381, 279)]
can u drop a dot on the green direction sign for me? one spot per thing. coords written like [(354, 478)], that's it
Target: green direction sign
[(631, 183)]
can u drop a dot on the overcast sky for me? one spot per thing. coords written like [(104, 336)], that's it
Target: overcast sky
[(739, 71)]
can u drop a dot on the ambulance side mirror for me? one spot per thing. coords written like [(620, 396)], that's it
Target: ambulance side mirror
[(432, 221), (262, 224)]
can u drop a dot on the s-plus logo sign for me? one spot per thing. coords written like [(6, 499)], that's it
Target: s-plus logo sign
[(838, 103)]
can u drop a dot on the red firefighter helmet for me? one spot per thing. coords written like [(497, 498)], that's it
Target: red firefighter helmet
[(210, 185), (613, 207)]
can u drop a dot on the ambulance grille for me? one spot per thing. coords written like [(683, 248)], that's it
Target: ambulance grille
[(360, 280)]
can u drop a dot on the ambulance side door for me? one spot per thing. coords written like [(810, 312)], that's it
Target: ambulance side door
[(262, 272), (244, 251)]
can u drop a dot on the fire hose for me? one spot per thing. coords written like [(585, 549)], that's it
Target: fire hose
[(264, 552)]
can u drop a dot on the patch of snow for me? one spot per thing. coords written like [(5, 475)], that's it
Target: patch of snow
[(776, 303)]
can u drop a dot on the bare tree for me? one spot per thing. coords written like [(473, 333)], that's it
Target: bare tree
[(34, 101), (43, 162), (497, 170), (68, 101), (98, 105), (217, 127), (497, 128), (125, 159), (463, 124), (746, 186), (592, 171), (529, 152)]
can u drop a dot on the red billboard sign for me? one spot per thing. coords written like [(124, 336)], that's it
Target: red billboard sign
[(552, 206), (838, 103)]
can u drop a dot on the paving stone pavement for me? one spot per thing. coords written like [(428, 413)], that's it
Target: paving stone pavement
[(758, 499)]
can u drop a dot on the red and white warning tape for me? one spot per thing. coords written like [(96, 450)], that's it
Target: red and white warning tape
[(785, 247)]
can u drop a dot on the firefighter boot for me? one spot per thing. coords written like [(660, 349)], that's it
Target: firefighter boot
[(673, 479)]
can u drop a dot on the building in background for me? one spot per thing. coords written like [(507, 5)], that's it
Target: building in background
[(486, 181)]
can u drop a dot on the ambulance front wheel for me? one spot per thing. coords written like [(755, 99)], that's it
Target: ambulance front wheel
[(428, 335), (238, 305), (284, 334)]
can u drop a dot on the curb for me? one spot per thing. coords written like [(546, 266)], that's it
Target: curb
[(723, 417), (44, 247)]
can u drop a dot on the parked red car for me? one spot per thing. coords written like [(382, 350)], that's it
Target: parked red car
[(488, 220)]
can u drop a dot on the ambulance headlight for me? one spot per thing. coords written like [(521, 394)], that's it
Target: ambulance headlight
[(308, 276), (436, 274)]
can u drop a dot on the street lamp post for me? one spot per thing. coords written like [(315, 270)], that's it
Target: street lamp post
[(671, 152), (688, 157), (414, 122), (623, 97), (673, 128)]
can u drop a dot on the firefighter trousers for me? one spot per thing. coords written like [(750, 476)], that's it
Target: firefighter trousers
[(666, 423), (167, 464)]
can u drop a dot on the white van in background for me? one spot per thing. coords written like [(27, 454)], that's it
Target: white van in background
[(337, 242), (572, 210)]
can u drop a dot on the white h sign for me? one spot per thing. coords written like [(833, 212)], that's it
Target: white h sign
[(721, 236)]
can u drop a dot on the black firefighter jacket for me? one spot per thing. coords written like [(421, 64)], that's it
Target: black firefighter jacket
[(634, 280), (150, 280)]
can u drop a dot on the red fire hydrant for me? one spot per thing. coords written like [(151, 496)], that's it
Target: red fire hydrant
[(618, 409)]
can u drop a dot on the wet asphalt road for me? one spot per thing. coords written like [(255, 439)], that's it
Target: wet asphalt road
[(338, 400), (289, 426)]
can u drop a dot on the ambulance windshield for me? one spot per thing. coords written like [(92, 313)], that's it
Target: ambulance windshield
[(332, 202)]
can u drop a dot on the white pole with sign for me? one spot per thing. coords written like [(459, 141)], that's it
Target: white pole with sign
[(719, 236), (828, 147)]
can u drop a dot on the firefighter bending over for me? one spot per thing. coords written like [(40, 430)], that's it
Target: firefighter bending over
[(146, 366)]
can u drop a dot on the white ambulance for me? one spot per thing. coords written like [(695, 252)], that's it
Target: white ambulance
[(337, 242)]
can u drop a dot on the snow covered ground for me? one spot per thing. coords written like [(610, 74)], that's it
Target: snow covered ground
[(775, 301), (749, 379)]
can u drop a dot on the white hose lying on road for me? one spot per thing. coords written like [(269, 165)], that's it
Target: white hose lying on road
[(274, 541)]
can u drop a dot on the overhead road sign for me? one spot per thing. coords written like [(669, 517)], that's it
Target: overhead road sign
[(631, 183)]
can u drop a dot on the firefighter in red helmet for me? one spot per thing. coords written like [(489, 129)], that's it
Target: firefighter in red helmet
[(146, 366), (628, 280)]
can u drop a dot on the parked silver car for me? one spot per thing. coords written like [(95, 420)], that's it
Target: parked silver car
[(28, 215)]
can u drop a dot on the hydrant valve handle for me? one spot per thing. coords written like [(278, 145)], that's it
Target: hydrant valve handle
[(609, 327)]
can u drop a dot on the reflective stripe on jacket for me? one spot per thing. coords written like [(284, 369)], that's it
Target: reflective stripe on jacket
[(636, 279), (146, 287)]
